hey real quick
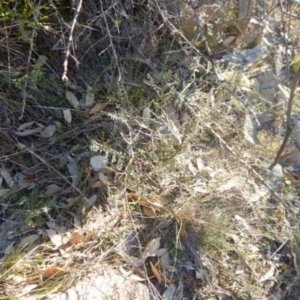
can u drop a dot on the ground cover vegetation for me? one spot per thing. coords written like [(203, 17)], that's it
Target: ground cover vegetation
[(138, 135)]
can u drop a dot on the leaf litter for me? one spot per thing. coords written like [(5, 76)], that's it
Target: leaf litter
[(222, 203)]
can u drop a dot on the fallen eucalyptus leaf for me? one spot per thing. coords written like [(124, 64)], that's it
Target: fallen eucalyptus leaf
[(7, 177), (55, 237), (28, 132), (74, 173), (98, 162), (269, 275), (98, 107), (151, 248), (72, 99), (53, 271), (103, 177), (3, 194), (52, 189), (25, 125), (147, 116), (28, 240), (42, 60), (156, 273), (90, 202), (67, 115), (48, 131), (89, 97)]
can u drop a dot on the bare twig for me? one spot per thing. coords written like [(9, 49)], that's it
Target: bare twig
[(68, 52), (111, 41), (291, 15), (288, 118)]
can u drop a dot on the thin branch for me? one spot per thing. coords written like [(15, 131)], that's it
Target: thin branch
[(68, 52), (291, 15), (111, 41), (288, 118)]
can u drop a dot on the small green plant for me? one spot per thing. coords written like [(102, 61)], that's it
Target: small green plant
[(34, 206)]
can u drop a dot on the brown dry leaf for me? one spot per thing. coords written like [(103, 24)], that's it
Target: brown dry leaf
[(87, 170), (97, 184), (158, 203), (182, 231), (81, 114), (290, 157), (54, 272), (92, 180), (229, 40), (72, 99), (156, 273), (92, 118), (159, 277), (148, 211), (136, 198), (290, 178), (72, 201), (144, 203), (98, 107), (166, 280), (155, 203), (76, 239)]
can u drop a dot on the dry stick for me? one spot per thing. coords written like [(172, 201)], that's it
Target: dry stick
[(68, 52), (288, 117), (111, 41), (291, 15)]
